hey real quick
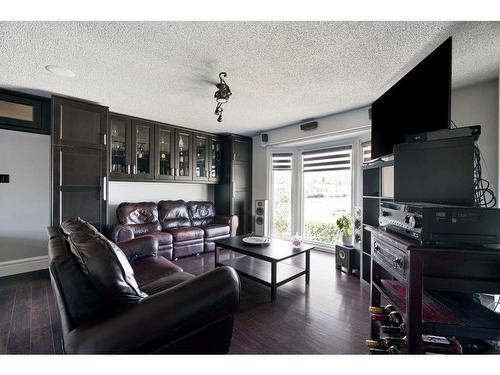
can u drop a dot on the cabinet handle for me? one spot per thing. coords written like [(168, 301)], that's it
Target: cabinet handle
[(104, 138), (104, 188), (135, 169), (397, 263), (128, 168), (172, 171)]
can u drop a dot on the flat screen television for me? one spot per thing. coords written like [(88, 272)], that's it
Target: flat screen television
[(419, 102)]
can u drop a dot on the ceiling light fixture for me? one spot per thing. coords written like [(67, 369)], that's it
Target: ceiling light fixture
[(60, 71), (221, 95)]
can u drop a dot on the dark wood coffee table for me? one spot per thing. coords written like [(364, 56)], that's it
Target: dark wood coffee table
[(260, 263)]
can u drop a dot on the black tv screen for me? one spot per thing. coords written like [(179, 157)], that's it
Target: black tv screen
[(419, 102)]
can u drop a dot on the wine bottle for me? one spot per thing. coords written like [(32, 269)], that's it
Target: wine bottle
[(393, 330), (441, 345), (386, 343), (382, 310), (390, 350)]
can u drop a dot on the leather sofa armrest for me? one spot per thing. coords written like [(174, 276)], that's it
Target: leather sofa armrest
[(122, 232), (139, 247), (231, 220), (162, 317)]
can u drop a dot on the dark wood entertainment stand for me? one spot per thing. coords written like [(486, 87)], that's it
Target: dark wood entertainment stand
[(432, 287)]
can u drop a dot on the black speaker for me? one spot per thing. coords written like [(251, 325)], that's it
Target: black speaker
[(309, 126), (344, 258), (264, 138), (358, 227)]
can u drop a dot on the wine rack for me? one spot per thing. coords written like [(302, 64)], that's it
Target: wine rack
[(433, 288)]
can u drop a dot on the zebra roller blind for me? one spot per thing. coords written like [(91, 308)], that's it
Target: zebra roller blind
[(282, 161), (330, 159)]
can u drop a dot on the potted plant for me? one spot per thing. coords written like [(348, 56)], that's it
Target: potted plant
[(344, 226)]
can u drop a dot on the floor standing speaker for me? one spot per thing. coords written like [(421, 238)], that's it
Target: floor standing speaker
[(261, 215), (358, 227)]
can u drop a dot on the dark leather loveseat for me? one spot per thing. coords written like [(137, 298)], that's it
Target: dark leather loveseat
[(181, 228), (128, 299)]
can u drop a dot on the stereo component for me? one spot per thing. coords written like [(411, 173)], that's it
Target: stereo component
[(261, 215), (474, 131), (443, 225)]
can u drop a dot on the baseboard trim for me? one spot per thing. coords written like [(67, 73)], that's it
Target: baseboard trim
[(13, 267)]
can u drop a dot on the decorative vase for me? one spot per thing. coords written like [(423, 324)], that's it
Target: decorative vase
[(296, 240), (347, 240)]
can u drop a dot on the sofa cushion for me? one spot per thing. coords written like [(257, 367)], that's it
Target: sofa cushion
[(137, 213), (106, 267), (201, 213), (76, 224), (149, 269), (164, 238), (186, 234), (173, 214), (216, 230)]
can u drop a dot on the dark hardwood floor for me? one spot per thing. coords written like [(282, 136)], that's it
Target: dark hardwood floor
[(328, 316)]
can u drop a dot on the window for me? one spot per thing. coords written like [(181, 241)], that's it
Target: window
[(327, 183), (281, 194)]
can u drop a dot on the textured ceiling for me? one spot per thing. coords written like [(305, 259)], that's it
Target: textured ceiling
[(279, 72)]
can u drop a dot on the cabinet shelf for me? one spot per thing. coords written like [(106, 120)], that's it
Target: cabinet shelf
[(446, 313)]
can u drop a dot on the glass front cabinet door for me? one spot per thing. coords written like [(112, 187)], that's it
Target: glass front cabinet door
[(164, 140), (183, 168), (120, 144), (201, 157), (143, 136), (215, 159)]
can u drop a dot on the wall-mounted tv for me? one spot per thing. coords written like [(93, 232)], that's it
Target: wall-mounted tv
[(419, 102)]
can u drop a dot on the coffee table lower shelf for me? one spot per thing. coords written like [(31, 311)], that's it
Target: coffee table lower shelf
[(261, 271)]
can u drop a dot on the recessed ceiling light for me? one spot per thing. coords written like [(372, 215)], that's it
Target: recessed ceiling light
[(60, 71)]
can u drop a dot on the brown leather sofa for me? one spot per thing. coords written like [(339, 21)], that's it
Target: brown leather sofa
[(127, 299), (182, 229)]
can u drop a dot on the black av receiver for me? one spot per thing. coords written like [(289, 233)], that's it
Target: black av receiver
[(443, 225)]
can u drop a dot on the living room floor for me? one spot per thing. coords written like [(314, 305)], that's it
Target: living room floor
[(330, 316)]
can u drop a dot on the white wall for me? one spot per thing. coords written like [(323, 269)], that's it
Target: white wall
[(153, 192), (478, 105), (25, 201)]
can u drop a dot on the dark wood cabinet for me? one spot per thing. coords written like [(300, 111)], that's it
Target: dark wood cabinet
[(183, 155), (201, 156), (132, 152), (215, 158), (233, 195), (143, 162), (79, 160), (24, 112), (120, 141), (143, 150), (164, 152)]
